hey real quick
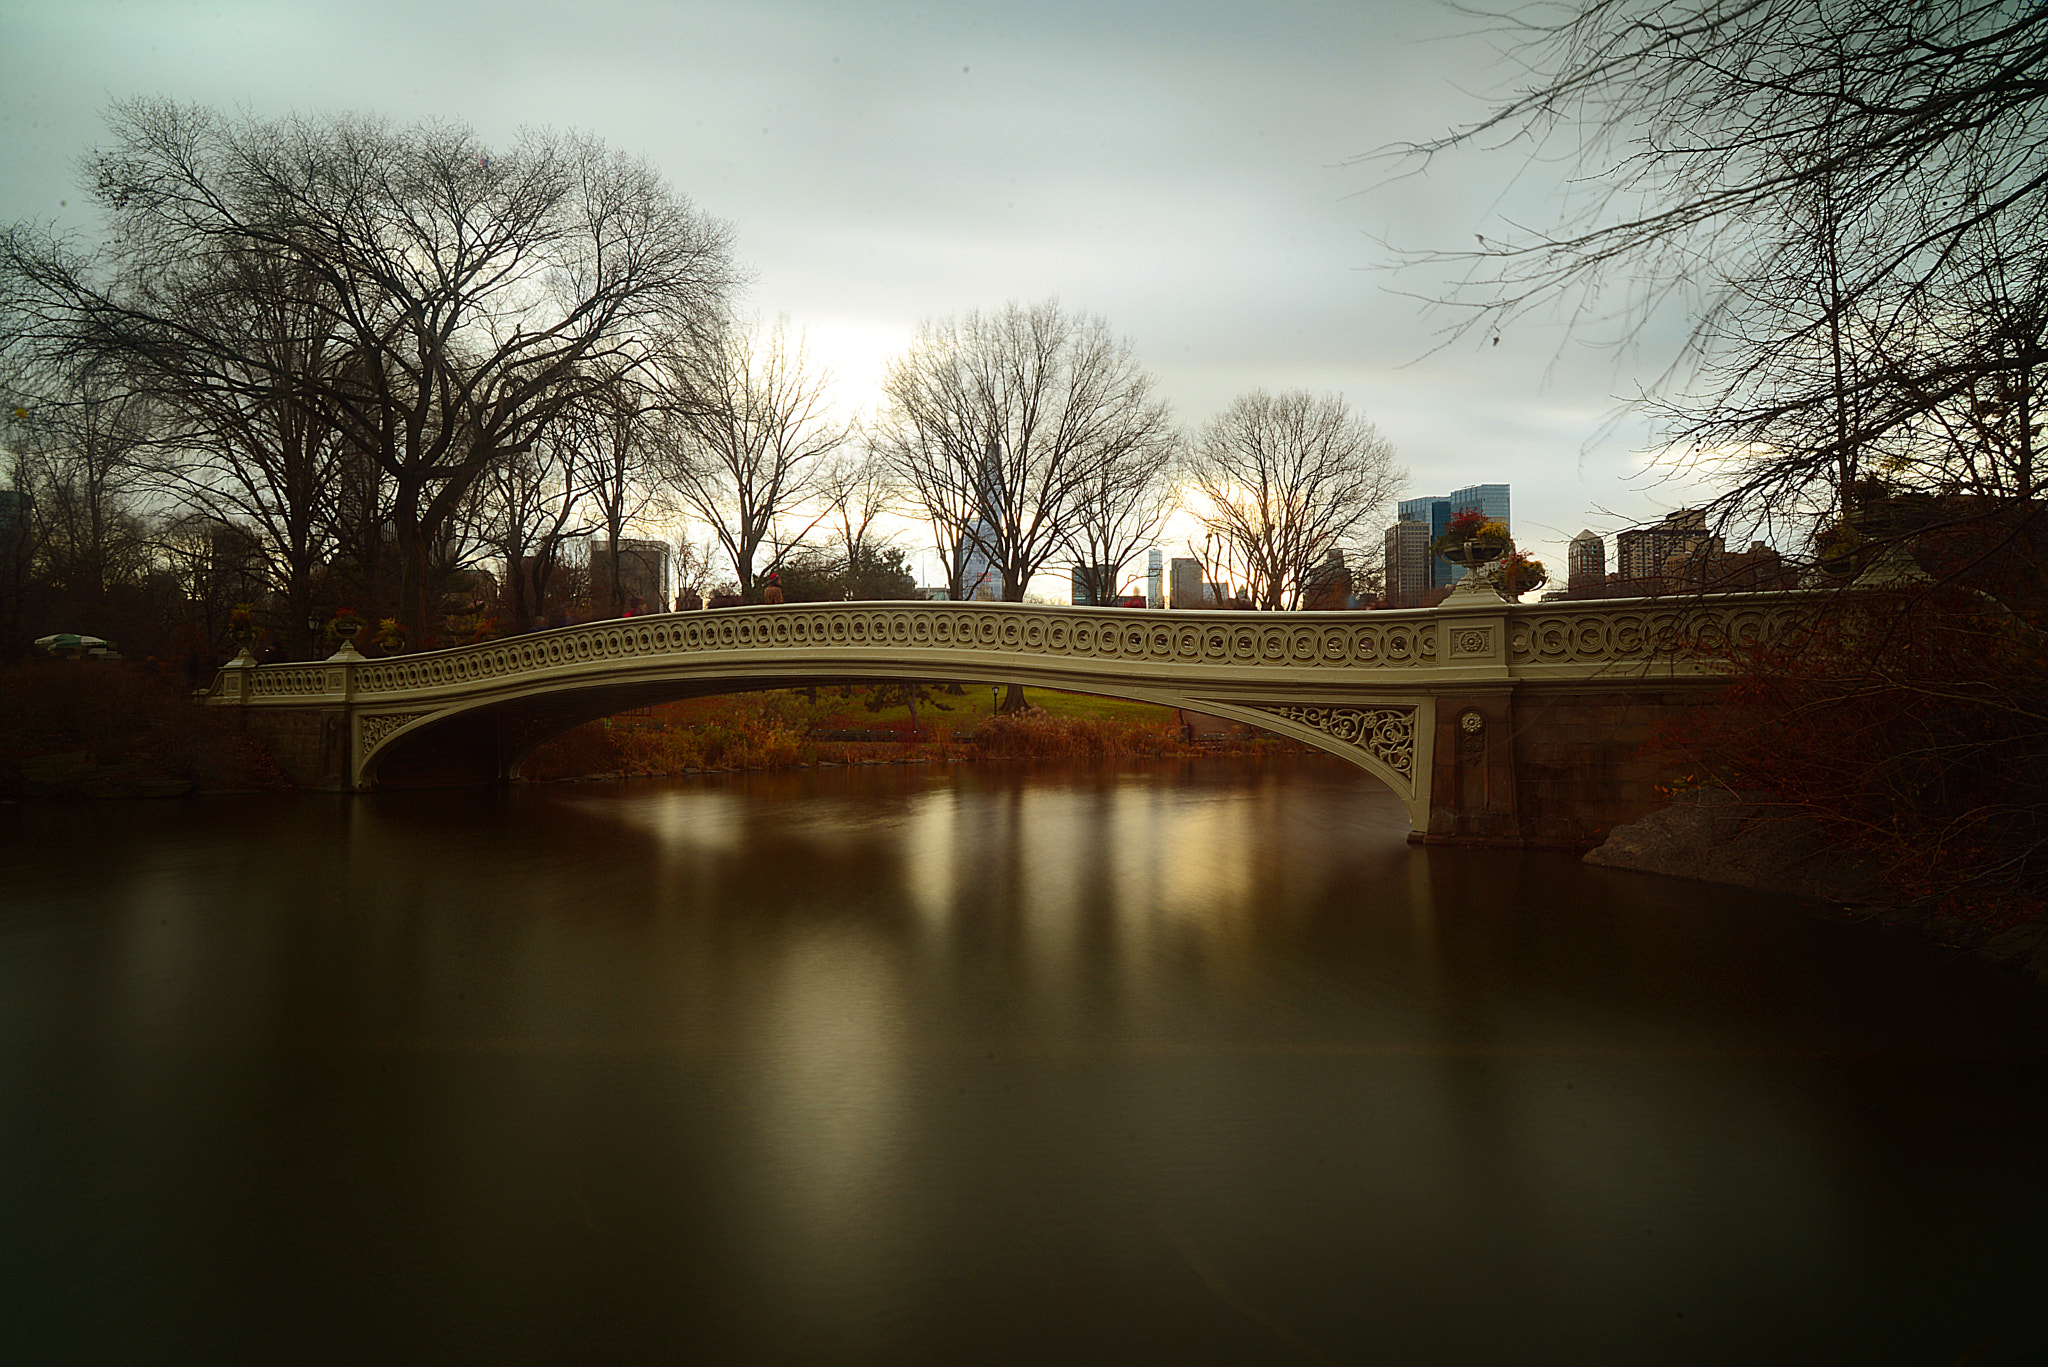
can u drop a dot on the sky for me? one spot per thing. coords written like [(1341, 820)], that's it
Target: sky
[(1187, 171)]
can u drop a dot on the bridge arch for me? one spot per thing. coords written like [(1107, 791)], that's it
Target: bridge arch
[(487, 735)]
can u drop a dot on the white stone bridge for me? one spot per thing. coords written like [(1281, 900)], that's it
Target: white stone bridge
[(1494, 723)]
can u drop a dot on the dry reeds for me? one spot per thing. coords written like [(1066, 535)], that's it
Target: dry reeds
[(1035, 734)]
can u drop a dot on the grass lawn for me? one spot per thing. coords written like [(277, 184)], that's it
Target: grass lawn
[(968, 710)]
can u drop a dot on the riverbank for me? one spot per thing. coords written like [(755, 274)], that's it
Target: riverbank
[(1711, 835), (787, 731), (90, 729)]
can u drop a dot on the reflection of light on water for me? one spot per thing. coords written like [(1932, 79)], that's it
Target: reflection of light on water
[(829, 1082), (932, 832), (704, 819)]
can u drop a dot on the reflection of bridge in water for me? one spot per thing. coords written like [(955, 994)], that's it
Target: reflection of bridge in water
[(1494, 723)]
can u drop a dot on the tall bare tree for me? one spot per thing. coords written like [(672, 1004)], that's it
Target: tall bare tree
[(82, 439), (1122, 507), (1006, 425), (747, 440), (1282, 480), (530, 516)]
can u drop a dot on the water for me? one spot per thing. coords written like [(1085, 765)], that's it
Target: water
[(1186, 1063)]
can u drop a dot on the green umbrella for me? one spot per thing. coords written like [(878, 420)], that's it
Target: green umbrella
[(69, 640)]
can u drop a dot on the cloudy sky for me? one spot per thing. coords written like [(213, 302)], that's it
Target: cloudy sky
[(1179, 169)]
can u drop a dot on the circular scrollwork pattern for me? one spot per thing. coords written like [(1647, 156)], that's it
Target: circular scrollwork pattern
[(1593, 635)]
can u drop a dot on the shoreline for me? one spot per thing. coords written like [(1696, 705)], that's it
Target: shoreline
[(1711, 835)]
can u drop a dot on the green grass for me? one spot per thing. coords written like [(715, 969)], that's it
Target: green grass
[(968, 710)]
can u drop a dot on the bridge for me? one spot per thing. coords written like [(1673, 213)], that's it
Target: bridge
[(1494, 723)]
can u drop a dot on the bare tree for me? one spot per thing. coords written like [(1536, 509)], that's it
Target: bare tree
[(1122, 506), (1805, 179), (530, 517), (471, 285), (859, 491), (1282, 480), (250, 450), (81, 442), (746, 439), (610, 429), (1001, 425)]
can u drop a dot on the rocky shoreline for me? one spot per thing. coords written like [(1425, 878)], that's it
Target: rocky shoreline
[(1715, 836)]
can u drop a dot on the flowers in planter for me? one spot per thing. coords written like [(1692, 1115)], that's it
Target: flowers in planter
[(344, 624), (1469, 525), (242, 623), (1520, 573), (390, 636)]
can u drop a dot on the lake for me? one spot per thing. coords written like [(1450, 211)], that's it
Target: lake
[(1176, 1062)]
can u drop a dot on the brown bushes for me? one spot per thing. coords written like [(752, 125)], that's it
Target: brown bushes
[(1034, 734)]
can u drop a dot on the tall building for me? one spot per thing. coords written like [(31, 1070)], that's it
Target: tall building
[(643, 574), (1154, 597), (1187, 590), (1436, 512), (980, 576), (1327, 587), (1642, 552), (1587, 566), (1407, 564)]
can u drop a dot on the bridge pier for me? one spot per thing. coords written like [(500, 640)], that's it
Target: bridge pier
[(1473, 795)]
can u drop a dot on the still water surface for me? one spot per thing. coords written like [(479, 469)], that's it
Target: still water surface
[(1190, 1063)]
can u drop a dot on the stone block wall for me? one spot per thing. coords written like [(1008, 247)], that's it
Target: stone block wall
[(1583, 762)]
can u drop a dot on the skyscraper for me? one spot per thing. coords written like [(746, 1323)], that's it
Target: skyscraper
[(980, 577), (1588, 566), (1436, 512), (1407, 564)]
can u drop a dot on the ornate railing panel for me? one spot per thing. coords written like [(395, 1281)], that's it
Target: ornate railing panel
[(1307, 650), (1701, 630), (1293, 641)]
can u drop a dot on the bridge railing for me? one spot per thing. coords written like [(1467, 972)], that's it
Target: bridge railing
[(1502, 640)]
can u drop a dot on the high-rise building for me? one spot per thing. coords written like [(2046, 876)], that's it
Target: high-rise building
[(643, 574), (1587, 566), (1187, 590), (980, 576), (1436, 512), (1407, 564), (1642, 552), (1153, 595), (1083, 593), (1327, 587)]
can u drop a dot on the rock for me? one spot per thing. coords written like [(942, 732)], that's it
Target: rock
[(1717, 836)]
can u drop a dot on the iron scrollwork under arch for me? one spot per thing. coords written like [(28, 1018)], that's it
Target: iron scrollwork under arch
[(1385, 733)]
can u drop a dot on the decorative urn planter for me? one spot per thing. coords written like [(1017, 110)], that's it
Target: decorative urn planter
[(1472, 554), (346, 628)]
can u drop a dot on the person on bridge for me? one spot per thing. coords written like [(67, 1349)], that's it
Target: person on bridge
[(773, 592)]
